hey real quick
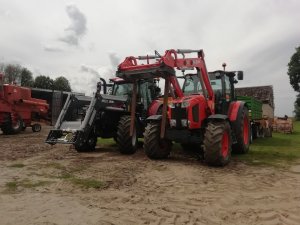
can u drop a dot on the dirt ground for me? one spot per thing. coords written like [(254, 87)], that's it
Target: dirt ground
[(42, 184)]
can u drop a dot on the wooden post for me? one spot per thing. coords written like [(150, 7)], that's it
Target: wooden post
[(165, 107), (133, 107)]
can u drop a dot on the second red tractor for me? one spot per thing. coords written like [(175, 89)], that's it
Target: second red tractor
[(204, 112)]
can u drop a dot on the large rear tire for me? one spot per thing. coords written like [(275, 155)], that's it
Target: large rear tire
[(155, 147), (242, 132), (9, 128), (217, 143), (126, 144)]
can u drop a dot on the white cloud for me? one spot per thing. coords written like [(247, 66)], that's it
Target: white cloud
[(77, 29)]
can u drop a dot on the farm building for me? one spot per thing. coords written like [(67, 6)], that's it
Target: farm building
[(264, 94), (54, 98)]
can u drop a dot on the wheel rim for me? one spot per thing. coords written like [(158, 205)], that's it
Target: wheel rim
[(225, 144), (18, 124), (246, 131)]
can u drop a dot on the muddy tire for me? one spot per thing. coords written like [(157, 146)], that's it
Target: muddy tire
[(155, 147), (242, 132), (126, 143), (9, 128), (217, 143)]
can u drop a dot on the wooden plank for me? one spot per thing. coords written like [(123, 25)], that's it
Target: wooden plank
[(133, 107), (165, 107)]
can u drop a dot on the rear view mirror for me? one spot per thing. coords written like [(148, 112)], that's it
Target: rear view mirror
[(240, 75)]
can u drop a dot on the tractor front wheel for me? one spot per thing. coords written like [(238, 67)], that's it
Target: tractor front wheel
[(217, 143), (36, 127), (127, 144), (155, 147)]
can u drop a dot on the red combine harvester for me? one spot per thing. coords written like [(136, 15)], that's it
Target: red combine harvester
[(203, 114), (18, 110)]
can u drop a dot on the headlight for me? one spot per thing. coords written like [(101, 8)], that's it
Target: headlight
[(185, 123), (171, 105), (185, 104), (173, 123)]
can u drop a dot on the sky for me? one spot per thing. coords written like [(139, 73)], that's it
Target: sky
[(83, 40)]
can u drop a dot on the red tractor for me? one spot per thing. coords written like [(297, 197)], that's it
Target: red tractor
[(18, 109), (203, 113)]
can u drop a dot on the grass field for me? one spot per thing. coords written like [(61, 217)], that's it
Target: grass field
[(280, 150)]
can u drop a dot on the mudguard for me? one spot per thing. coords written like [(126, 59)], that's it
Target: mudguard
[(217, 117), (154, 117), (154, 107), (234, 109)]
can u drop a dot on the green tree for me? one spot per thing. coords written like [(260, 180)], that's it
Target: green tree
[(44, 82), (12, 73), (26, 78), (294, 70), (62, 84), (297, 108), (294, 75)]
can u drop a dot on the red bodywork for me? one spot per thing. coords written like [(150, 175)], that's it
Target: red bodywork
[(233, 110), (16, 102), (176, 59), (154, 107)]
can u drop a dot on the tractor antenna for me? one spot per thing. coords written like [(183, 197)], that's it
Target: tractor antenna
[(224, 66)]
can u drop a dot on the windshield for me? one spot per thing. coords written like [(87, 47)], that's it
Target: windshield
[(215, 81), (192, 85), (122, 89)]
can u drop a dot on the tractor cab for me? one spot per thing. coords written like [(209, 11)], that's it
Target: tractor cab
[(222, 83), (148, 91)]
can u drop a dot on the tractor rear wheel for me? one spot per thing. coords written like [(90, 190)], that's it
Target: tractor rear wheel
[(242, 132), (9, 128), (217, 143), (155, 147), (126, 144)]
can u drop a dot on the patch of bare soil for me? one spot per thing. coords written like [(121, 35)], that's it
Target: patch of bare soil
[(42, 184)]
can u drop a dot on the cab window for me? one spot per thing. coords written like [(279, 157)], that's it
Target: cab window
[(145, 94), (192, 85), (122, 89)]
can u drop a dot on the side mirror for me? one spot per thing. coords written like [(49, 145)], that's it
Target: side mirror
[(240, 75)]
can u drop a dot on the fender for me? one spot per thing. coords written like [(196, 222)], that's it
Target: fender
[(154, 117), (217, 117), (154, 106), (234, 109)]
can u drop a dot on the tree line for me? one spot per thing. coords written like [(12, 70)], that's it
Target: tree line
[(15, 73), (294, 75)]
